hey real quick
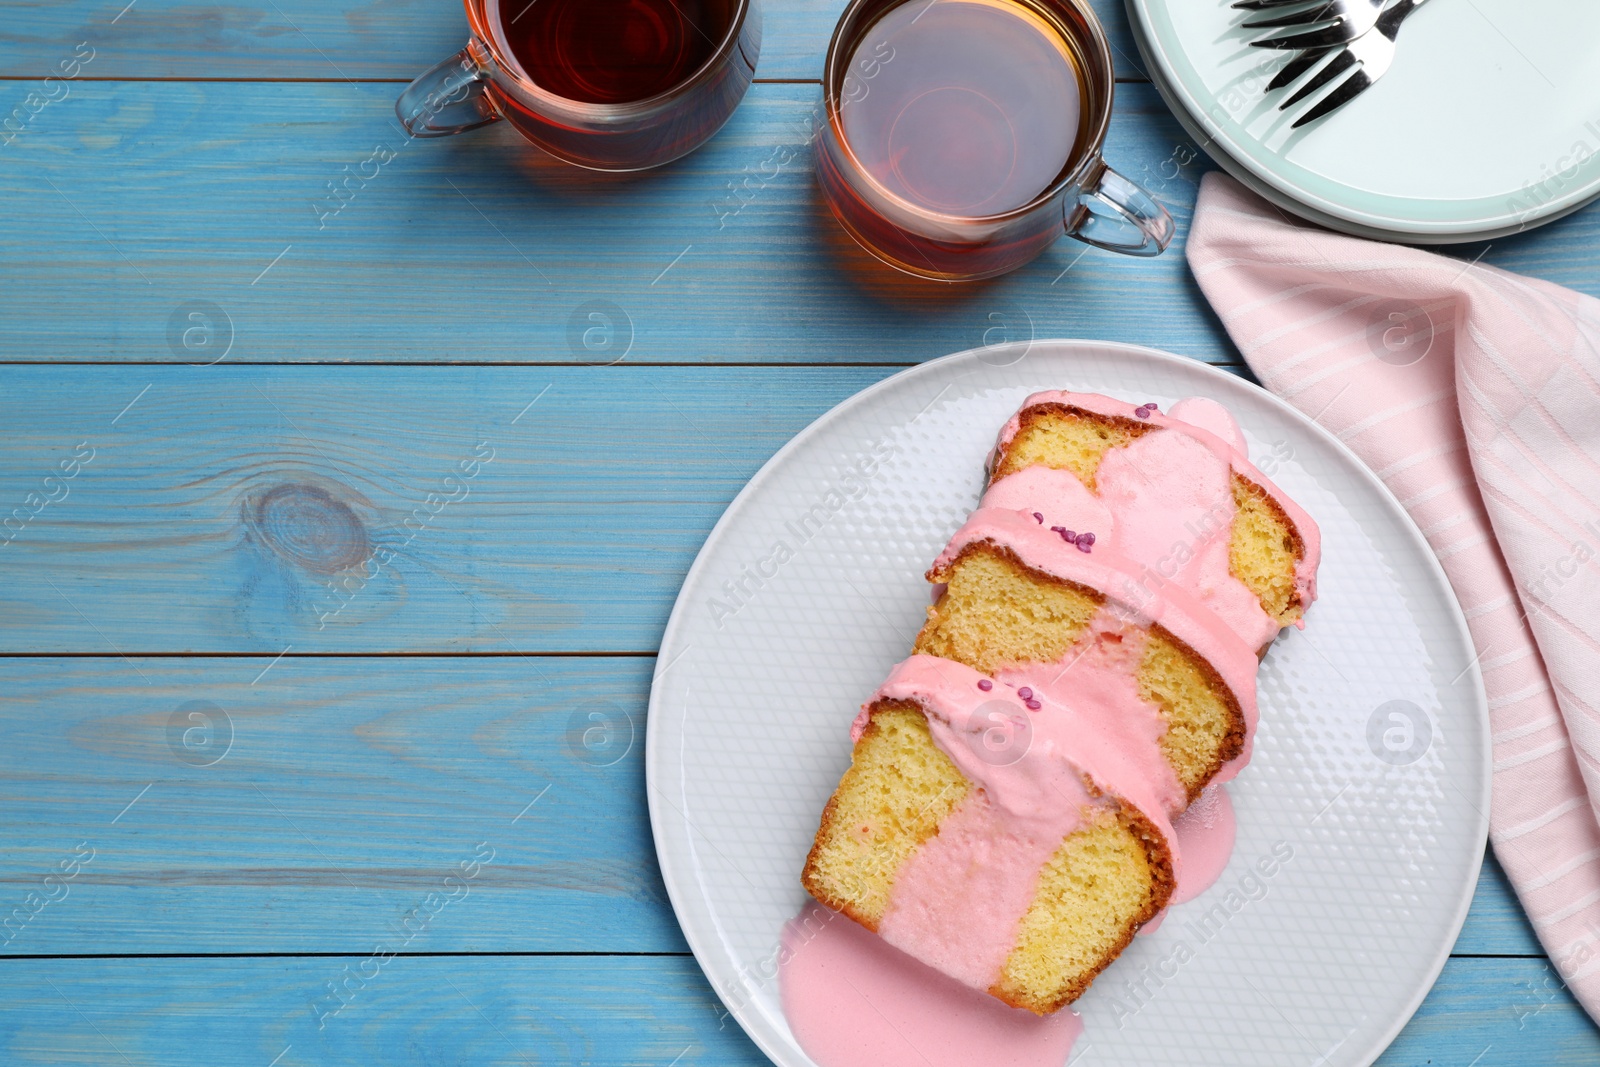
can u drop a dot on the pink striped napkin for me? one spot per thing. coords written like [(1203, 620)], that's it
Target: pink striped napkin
[(1475, 395)]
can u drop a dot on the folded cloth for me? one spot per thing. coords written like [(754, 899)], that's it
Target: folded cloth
[(1474, 394)]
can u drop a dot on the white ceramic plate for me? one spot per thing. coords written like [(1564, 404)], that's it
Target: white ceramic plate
[(1371, 761), (1488, 123), (1203, 138)]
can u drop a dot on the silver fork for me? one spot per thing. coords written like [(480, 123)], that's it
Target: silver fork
[(1360, 62), (1349, 18)]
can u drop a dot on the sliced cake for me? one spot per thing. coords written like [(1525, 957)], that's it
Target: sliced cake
[(1022, 604), (1174, 492), (981, 833), (1087, 668)]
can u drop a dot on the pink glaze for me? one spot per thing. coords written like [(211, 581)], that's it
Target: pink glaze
[(1201, 420), (1121, 580), (1212, 417), (1173, 499), (1033, 764), (958, 899), (1030, 770), (1098, 717), (852, 1000), (1057, 495), (1205, 836), (1166, 503)]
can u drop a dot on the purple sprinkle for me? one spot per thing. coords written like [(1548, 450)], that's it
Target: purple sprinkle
[(1025, 693), (1038, 518), (1085, 539), (1083, 546), (1034, 705), (985, 684), (1152, 405), (1143, 413)]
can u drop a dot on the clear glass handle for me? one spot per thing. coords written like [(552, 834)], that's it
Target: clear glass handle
[(1115, 214), (448, 98)]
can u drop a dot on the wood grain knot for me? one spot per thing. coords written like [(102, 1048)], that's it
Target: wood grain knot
[(307, 525)]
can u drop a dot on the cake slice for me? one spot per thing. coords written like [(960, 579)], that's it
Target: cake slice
[(977, 832), (1087, 668), (1022, 604), (1175, 493)]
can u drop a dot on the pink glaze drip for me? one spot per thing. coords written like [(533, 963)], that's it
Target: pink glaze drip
[(1206, 833), (1173, 499), (1098, 717), (1208, 415), (1059, 496), (1119, 578), (854, 1001), (1210, 425), (1092, 723), (957, 901)]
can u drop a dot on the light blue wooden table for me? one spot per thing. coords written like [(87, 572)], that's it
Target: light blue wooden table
[(263, 808)]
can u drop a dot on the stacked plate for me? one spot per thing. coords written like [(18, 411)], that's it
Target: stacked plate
[(1487, 124)]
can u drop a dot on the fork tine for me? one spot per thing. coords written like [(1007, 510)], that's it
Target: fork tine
[(1296, 67), (1348, 90), (1323, 13), (1266, 5), (1340, 63), (1323, 38)]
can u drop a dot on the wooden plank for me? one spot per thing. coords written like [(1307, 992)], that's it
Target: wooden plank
[(1497, 1013), (450, 1010), (374, 509), (145, 198), (294, 39), (649, 1012), (299, 805), (478, 249), (342, 791), (1496, 925)]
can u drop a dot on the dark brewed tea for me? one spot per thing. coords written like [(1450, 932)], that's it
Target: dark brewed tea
[(612, 51), (964, 107)]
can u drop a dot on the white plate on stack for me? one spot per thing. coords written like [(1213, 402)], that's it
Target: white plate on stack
[(1371, 765), (1487, 124)]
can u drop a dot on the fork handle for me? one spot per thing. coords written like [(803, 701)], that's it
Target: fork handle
[(1400, 12)]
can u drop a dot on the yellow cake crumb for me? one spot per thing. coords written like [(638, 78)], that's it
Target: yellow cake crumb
[(1066, 438), (898, 789), (1104, 882), (990, 617), (1264, 550)]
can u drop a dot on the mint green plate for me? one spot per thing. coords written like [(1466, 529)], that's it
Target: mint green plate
[(1487, 124)]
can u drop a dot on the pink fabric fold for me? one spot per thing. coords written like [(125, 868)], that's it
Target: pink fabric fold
[(1474, 394)]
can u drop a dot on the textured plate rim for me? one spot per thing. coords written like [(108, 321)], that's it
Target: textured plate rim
[(679, 883), (1461, 232)]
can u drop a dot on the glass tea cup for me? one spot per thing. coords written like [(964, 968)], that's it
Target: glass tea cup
[(954, 145), (594, 102)]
